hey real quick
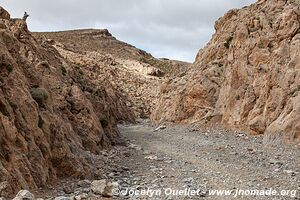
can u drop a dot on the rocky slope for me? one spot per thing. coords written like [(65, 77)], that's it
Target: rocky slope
[(52, 115), (135, 72), (247, 77)]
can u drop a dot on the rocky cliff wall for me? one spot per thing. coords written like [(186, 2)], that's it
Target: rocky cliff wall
[(51, 114), (247, 76)]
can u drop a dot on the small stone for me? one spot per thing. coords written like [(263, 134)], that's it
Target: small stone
[(275, 162), (103, 187), (250, 149), (24, 195), (64, 198), (241, 134), (81, 197), (84, 183), (151, 157), (4, 186), (136, 147), (98, 186), (188, 180), (67, 189), (290, 172), (125, 168), (107, 192), (160, 128)]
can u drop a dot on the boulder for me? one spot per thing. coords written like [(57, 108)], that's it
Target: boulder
[(103, 187), (24, 195)]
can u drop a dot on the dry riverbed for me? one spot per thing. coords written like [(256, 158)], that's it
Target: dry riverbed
[(187, 162)]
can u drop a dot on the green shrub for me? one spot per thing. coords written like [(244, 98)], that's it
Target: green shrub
[(104, 122), (260, 45), (63, 70), (7, 66), (40, 95), (228, 41), (270, 45)]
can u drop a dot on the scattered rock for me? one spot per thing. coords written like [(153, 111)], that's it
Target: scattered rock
[(84, 183), (103, 187), (98, 186), (290, 172), (275, 162), (67, 189), (64, 198), (151, 157), (136, 147), (160, 128), (4, 187)]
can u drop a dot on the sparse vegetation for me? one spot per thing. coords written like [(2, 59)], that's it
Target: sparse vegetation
[(261, 45), (164, 65), (7, 66), (270, 45), (209, 118), (104, 122), (228, 42), (63, 70), (40, 95)]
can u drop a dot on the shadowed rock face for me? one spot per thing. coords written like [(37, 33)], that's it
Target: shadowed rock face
[(51, 114), (248, 75)]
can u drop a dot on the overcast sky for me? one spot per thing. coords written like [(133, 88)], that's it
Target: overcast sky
[(174, 29)]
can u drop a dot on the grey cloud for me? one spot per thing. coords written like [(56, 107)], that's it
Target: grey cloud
[(175, 29)]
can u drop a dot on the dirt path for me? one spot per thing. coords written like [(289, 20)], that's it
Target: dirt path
[(181, 157), (185, 162)]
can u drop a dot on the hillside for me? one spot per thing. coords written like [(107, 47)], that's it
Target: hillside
[(51, 114), (134, 72), (247, 77), (102, 41)]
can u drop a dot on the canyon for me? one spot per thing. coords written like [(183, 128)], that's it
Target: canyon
[(80, 105)]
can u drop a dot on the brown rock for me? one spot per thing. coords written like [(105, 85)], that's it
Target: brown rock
[(247, 75), (4, 14), (103, 58), (51, 114)]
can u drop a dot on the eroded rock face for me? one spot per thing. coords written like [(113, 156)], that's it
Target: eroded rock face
[(136, 73), (247, 76), (4, 14), (51, 114)]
